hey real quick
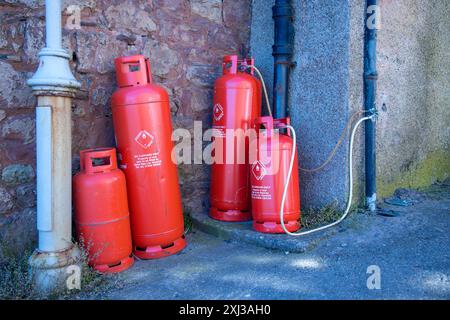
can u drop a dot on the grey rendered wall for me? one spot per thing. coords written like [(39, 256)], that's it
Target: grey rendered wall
[(319, 89), (326, 88), (414, 94), (261, 40), (319, 92)]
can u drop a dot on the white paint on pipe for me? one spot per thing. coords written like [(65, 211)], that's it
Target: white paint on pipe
[(56, 231), (44, 167), (53, 24), (53, 73), (371, 202)]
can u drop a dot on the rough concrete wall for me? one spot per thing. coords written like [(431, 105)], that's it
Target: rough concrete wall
[(327, 87), (262, 40), (185, 41), (319, 89), (319, 92)]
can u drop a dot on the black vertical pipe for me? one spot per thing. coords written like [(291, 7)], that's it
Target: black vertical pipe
[(370, 91), (282, 53)]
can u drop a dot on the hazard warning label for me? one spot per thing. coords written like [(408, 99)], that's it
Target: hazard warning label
[(259, 170), (261, 193), (148, 160), (151, 158), (144, 139), (218, 132), (218, 112)]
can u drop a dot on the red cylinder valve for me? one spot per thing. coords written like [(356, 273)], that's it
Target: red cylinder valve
[(101, 211), (268, 178), (237, 102), (142, 124)]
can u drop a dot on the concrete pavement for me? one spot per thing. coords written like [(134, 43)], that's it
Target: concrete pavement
[(411, 250)]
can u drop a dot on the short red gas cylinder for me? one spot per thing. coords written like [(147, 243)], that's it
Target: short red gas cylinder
[(237, 102), (142, 124), (268, 178), (101, 211)]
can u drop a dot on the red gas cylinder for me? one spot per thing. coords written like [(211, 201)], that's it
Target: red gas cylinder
[(268, 178), (237, 102), (143, 129), (101, 211)]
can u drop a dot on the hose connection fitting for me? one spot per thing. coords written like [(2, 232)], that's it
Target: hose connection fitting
[(372, 114)]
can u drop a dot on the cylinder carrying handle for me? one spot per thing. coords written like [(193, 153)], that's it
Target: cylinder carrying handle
[(149, 70), (270, 123), (283, 123), (103, 153), (133, 70), (231, 64), (267, 122), (82, 157), (227, 60), (248, 63)]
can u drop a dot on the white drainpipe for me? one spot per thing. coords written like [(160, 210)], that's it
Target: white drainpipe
[(54, 85)]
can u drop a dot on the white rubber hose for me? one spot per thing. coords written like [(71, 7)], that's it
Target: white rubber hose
[(350, 193), (266, 95)]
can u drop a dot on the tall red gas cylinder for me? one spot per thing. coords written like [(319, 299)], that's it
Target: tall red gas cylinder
[(269, 175), (237, 102), (101, 211), (142, 124)]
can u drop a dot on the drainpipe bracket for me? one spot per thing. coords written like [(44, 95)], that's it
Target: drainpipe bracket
[(373, 114), (288, 63), (282, 9), (371, 76), (53, 76)]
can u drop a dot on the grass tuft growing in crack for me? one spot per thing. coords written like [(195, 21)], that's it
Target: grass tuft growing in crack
[(93, 283), (16, 281), (187, 221), (15, 276), (314, 218)]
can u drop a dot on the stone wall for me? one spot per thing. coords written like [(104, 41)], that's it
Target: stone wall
[(185, 41)]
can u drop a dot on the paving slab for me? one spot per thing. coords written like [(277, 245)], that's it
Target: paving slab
[(243, 232)]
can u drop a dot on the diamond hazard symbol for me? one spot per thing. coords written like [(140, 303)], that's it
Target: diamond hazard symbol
[(144, 139), (218, 112), (259, 170)]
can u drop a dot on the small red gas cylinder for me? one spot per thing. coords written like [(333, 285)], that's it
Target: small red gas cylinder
[(142, 124), (101, 211), (237, 102), (268, 178)]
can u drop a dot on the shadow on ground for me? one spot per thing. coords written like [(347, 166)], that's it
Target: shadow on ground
[(411, 250)]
